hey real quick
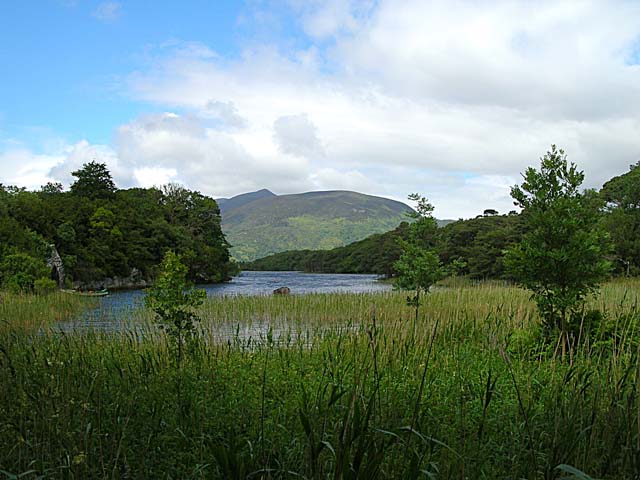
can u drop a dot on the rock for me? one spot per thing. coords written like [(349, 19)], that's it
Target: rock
[(282, 291), (135, 280), (56, 265)]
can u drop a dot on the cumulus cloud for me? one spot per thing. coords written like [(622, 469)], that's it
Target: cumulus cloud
[(226, 113), (82, 152), (449, 99), (297, 135), (22, 167)]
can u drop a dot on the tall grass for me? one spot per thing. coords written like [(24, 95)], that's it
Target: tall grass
[(23, 313), (330, 386)]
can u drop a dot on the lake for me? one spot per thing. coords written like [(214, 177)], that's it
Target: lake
[(112, 312)]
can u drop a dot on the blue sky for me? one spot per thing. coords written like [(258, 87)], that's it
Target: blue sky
[(63, 62), (387, 97)]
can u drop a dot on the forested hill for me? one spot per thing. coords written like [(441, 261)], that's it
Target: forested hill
[(475, 247), (261, 223), (468, 247), (102, 232)]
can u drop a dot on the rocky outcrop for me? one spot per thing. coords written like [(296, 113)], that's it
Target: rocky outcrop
[(56, 265), (134, 281)]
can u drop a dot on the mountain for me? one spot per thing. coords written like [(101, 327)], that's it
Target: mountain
[(227, 204), (261, 223)]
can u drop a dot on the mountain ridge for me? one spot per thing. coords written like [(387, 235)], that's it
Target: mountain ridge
[(261, 223)]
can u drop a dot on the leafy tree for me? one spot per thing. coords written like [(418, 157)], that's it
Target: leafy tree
[(52, 188), (418, 267), (173, 301), (93, 181), (622, 197), (19, 271), (561, 258)]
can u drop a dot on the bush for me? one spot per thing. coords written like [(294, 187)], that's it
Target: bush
[(44, 286), (19, 271)]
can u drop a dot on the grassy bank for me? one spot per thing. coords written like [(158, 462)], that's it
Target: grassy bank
[(342, 386)]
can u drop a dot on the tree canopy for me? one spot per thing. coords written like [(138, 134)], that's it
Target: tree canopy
[(93, 181), (622, 197), (103, 232)]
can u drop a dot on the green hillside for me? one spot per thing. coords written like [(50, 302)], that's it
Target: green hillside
[(314, 220), (472, 247)]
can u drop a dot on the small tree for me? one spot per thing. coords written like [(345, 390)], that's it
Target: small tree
[(418, 267), (561, 258), (173, 300)]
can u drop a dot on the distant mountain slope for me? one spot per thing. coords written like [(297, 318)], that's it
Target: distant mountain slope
[(476, 246), (375, 254), (227, 204), (261, 223)]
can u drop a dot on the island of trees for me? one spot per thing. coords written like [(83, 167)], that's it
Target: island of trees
[(102, 232)]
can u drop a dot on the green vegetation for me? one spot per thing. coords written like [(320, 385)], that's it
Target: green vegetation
[(260, 224), (102, 232), (418, 267), (327, 387), (478, 383), (173, 300), (561, 257), (622, 196), (473, 247), (375, 254), (21, 312)]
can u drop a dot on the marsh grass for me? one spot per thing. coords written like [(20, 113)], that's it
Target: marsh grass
[(330, 386), (28, 313)]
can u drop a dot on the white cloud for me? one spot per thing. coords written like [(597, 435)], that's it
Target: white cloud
[(226, 113), (24, 168), (108, 11), (297, 135), (148, 177), (449, 99), (76, 155)]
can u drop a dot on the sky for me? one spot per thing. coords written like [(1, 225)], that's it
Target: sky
[(451, 99)]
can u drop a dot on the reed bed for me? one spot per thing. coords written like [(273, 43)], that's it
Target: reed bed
[(28, 313), (330, 386)]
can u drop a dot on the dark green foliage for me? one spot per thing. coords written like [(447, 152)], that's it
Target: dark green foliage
[(19, 272), (109, 234), (561, 258), (375, 254), (622, 197), (44, 286), (475, 247), (93, 181)]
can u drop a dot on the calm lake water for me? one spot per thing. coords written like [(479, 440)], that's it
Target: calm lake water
[(112, 312)]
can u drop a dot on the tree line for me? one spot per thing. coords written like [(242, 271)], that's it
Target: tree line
[(103, 232)]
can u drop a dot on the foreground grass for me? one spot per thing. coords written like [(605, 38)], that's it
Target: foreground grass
[(330, 386)]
